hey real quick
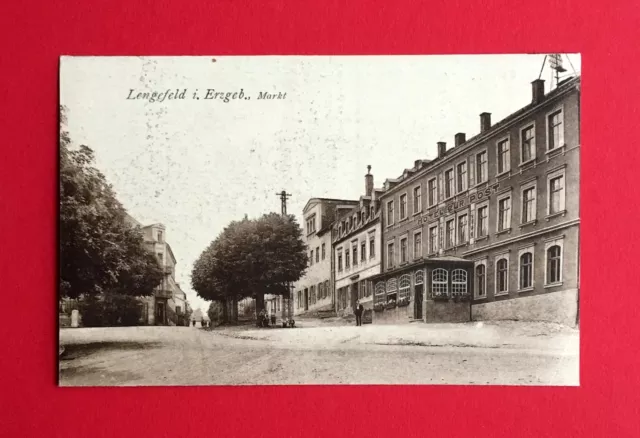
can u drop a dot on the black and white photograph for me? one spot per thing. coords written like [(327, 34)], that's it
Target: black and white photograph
[(319, 220)]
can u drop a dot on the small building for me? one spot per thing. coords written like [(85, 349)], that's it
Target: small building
[(356, 246), (314, 291)]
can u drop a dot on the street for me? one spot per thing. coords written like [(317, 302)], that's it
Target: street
[(496, 354)]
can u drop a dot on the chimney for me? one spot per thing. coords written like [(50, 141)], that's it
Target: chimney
[(417, 164), (368, 182), (442, 148), (461, 137), (537, 91), (485, 122)]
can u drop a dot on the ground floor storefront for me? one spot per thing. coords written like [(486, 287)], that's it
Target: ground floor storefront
[(431, 290)]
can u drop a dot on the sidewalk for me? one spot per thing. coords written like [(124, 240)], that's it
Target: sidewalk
[(499, 334)]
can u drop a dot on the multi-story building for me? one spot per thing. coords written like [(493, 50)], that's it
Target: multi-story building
[(356, 251), (314, 291), (490, 228), (168, 303)]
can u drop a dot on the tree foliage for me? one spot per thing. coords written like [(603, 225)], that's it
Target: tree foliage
[(99, 251), (251, 258)]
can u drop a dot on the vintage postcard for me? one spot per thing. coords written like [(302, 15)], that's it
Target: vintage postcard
[(272, 220)]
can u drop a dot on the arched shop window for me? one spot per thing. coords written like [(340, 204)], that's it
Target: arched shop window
[(419, 276), (459, 282), (380, 292), (440, 282), (405, 287), (392, 289)]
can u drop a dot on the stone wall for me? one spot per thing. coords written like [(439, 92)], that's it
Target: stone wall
[(559, 307), (447, 311), (397, 315)]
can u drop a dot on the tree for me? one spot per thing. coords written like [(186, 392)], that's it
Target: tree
[(99, 251), (250, 258)]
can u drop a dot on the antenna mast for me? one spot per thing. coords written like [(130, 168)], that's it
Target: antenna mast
[(287, 301)]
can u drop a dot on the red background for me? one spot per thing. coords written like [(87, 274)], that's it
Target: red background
[(34, 34)]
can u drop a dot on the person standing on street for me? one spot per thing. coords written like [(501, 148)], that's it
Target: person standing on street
[(358, 313), (361, 309)]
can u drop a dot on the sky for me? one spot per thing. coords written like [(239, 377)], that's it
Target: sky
[(195, 164)]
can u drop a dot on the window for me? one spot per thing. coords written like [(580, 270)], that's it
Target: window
[(556, 194), (481, 280), (355, 254), (405, 287), (323, 251), (554, 264), (390, 254), (417, 199), (419, 275), (390, 213), (363, 251), (462, 229), (311, 258), (311, 225), (483, 221), (448, 183), (502, 276), (555, 134), (528, 204), (317, 254), (347, 265), (504, 214), (392, 289), (433, 192), (526, 270), (326, 288), (433, 239), (321, 293), (340, 260), (440, 282), (372, 248), (417, 245), (380, 292), (159, 236), (450, 234), (362, 289), (403, 250), (481, 167), (403, 206), (462, 176), (504, 157), (458, 282), (527, 144)]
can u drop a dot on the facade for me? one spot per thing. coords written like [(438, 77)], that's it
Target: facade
[(168, 304), (356, 251), (314, 291), (490, 228)]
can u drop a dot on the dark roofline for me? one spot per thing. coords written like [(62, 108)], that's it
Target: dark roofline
[(562, 89), (346, 201)]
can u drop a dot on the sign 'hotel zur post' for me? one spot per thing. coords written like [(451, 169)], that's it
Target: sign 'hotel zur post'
[(459, 203)]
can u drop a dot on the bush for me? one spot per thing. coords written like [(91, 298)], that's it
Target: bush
[(109, 310), (250, 308)]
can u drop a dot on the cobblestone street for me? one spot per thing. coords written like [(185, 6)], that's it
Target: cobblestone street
[(501, 354)]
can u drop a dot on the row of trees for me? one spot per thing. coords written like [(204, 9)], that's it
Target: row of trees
[(251, 258), (100, 253)]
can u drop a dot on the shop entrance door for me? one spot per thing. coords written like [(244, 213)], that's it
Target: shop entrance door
[(418, 300)]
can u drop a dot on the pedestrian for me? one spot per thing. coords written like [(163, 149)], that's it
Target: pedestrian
[(358, 313), (361, 309)]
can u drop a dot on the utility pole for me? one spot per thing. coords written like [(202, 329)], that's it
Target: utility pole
[(283, 201), (287, 310)]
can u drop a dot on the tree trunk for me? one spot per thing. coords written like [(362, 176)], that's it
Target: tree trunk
[(225, 312), (259, 302), (234, 309)]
